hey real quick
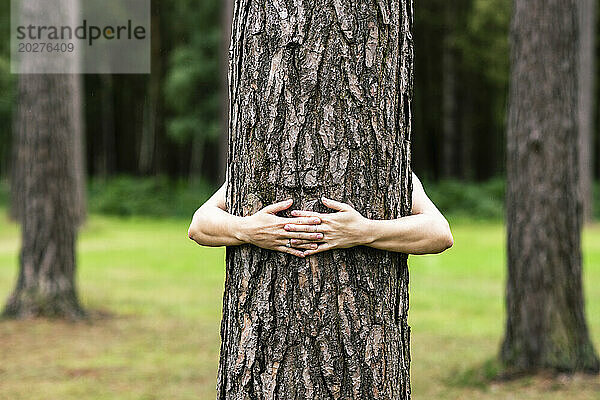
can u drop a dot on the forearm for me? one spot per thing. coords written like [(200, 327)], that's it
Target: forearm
[(414, 234), (212, 226)]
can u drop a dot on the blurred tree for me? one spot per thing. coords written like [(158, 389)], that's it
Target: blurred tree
[(587, 58), (321, 104), (546, 326), (450, 128), (47, 186)]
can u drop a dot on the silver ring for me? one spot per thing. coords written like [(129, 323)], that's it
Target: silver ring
[(289, 243)]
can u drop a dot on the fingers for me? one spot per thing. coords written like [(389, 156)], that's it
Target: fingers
[(304, 236), (276, 207), (300, 242), (303, 213), (291, 250), (322, 247), (305, 220), (335, 205), (305, 246), (301, 228)]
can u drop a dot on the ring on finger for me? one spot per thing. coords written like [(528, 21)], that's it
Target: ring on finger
[(289, 243)]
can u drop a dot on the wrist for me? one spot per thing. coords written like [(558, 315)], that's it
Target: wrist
[(369, 231), (242, 231)]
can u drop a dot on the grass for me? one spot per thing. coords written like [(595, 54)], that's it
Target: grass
[(161, 297)]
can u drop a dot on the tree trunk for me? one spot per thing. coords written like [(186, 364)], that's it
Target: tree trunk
[(546, 326), (321, 104), (48, 184), (47, 160), (451, 143), (587, 57), (105, 163), (147, 162)]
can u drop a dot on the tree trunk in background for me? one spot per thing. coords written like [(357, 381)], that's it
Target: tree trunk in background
[(48, 127), (321, 104), (587, 57), (450, 143), (147, 161), (546, 326), (48, 183), (105, 158), (227, 15), (196, 161)]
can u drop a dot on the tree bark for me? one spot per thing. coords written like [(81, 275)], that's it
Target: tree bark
[(321, 104), (546, 326), (587, 57), (48, 184)]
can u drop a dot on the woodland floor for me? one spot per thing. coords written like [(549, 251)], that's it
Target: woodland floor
[(157, 298)]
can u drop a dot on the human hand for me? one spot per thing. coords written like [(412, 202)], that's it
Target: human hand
[(266, 230), (343, 229)]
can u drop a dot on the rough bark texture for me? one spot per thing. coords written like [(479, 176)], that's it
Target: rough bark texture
[(321, 99), (47, 188), (546, 325), (587, 72)]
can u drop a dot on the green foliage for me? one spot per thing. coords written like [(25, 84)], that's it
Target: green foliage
[(162, 197), (477, 201), (192, 81), (158, 197), (484, 46), (483, 42)]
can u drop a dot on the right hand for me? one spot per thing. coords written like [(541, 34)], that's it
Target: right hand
[(266, 230)]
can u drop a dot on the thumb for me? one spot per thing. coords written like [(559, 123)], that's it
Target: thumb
[(276, 207), (335, 205)]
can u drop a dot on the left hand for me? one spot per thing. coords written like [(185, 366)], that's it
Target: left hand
[(342, 229)]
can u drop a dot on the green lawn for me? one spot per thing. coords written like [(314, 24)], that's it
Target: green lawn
[(160, 296)]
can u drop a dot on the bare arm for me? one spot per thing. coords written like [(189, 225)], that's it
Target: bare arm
[(426, 231), (213, 226)]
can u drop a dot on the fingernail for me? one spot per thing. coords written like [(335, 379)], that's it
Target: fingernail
[(286, 227), (290, 200), (317, 221), (314, 246), (319, 236), (293, 241)]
